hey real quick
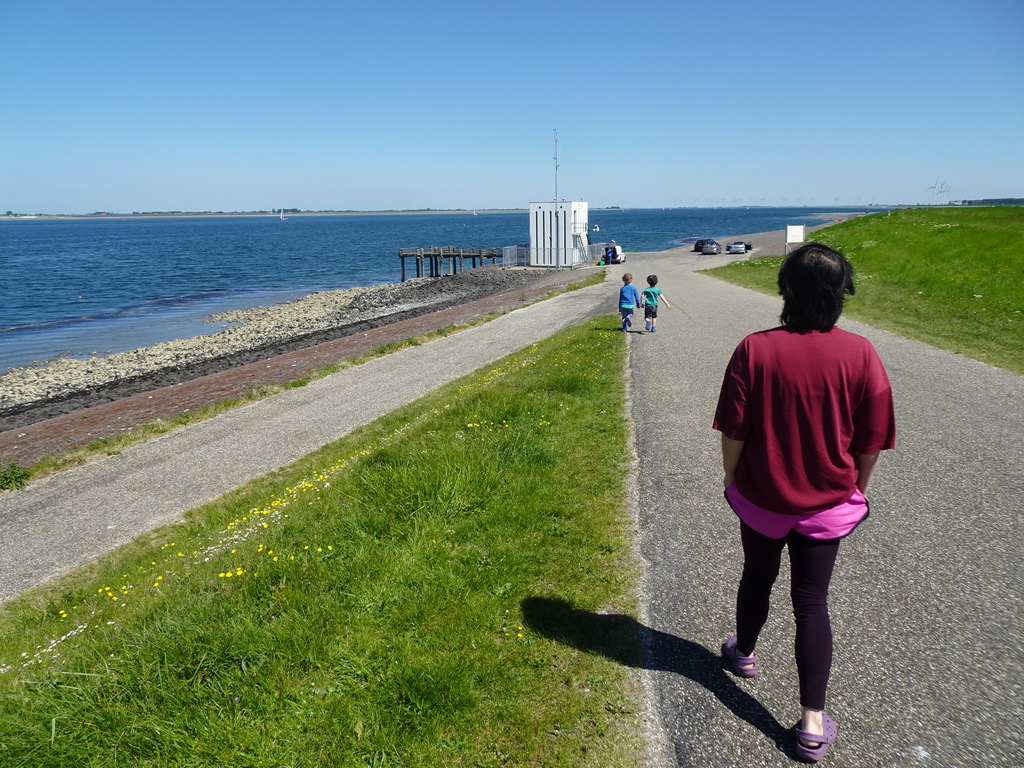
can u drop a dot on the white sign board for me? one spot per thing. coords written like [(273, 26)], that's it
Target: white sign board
[(794, 233)]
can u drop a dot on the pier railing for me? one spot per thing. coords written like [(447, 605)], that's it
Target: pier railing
[(447, 260), (435, 262)]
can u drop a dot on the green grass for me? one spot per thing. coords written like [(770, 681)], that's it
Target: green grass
[(951, 277), (12, 476), (368, 606)]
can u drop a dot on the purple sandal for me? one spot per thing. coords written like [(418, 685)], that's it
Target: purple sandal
[(814, 754), (736, 660)]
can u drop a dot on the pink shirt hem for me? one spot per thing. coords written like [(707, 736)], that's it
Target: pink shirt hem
[(832, 523)]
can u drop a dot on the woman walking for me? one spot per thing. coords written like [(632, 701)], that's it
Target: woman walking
[(804, 411)]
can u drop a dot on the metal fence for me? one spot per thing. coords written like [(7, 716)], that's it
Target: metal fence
[(525, 256)]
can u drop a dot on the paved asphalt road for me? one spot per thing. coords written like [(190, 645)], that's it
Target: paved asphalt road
[(927, 597), (926, 600)]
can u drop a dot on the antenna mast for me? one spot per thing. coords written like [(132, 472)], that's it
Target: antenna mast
[(556, 164)]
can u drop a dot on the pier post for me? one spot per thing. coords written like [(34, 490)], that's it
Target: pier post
[(446, 260)]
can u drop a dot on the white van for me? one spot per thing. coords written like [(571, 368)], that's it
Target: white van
[(613, 254)]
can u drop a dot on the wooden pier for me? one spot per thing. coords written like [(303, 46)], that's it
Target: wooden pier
[(435, 262)]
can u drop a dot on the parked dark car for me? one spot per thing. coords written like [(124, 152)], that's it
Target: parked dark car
[(710, 247), (699, 245)]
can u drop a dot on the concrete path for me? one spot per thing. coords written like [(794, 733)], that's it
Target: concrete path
[(926, 600), (927, 595)]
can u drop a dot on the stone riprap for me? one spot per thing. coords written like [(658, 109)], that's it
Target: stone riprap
[(252, 334)]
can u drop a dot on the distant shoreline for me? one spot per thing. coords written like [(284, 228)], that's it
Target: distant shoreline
[(423, 212), (252, 215)]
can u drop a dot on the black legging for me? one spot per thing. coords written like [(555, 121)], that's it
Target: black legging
[(811, 563)]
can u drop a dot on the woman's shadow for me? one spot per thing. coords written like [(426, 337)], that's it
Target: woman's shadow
[(627, 641)]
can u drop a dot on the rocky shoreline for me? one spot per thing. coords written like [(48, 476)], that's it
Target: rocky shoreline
[(63, 385)]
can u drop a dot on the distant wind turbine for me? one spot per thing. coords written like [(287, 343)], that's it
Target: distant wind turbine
[(937, 191)]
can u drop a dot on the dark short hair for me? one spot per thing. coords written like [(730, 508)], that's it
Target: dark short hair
[(814, 281), (652, 280)]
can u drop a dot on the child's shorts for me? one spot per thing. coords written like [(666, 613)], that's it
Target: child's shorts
[(626, 311), (650, 311)]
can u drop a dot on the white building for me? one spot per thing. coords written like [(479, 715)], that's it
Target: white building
[(559, 234)]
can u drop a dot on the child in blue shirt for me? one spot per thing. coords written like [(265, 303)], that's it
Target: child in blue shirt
[(629, 300)]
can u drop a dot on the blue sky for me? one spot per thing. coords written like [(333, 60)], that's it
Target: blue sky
[(225, 105)]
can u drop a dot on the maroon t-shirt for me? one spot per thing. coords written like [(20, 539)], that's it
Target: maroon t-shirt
[(804, 403)]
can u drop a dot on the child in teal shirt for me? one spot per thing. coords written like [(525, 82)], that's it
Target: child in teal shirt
[(650, 296)]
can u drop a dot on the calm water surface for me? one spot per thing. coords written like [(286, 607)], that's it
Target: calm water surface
[(77, 287)]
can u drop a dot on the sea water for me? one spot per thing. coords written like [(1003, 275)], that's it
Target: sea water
[(110, 284)]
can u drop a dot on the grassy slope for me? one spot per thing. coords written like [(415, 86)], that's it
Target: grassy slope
[(410, 595), (952, 277)]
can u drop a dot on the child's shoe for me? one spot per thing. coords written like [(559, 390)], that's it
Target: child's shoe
[(647, 325), (654, 329), (629, 321)]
